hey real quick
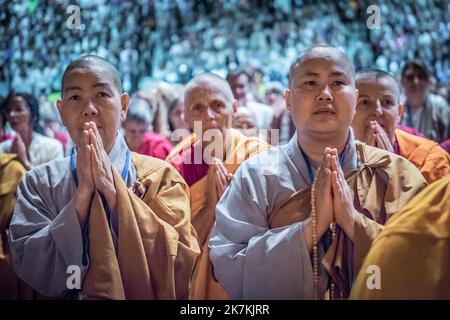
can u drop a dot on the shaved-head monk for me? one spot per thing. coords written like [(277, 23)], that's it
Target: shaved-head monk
[(207, 160), (270, 240), (378, 114), (117, 220)]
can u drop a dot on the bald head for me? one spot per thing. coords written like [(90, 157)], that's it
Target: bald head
[(95, 63), (322, 52), (377, 75), (209, 80)]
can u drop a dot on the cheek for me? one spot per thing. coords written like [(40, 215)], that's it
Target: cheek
[(25, 116), (359, 125), (391, 117), (359, 118), (190, 120), (345, 103)]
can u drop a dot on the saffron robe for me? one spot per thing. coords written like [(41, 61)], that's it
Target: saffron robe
[(413, 251), (204, 284), (432, 161)]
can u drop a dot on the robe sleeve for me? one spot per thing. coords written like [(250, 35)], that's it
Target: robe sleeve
[(56, 151), (365, 232), (404, 181), (44, 242), (169, 199), (157, 247), (250, 260), (436, 165)]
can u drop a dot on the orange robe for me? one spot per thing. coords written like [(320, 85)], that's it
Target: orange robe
[(157, 247), (204, 284), (432, 161), (412, 252)]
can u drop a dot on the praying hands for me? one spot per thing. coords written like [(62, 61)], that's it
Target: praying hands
[(94, 172), (334, 199), (218, 180), (377, 137)]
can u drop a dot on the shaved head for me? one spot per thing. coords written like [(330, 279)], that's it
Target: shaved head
[(379, 75), (209, 80), (321, 51), (93, 62)]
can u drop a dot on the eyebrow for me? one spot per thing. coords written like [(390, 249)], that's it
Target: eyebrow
[(310, 74), (338, 73), (384, 96), (101, 84), (195, 105), (315, 74), (218, 101), (71, 88)]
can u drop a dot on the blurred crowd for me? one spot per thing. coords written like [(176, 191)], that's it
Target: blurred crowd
[(172, 41), (160, 45)]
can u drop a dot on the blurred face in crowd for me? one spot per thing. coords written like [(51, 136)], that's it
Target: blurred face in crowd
[(415, 83), (321, 97), (18, 114), (209, 100), (273, 98), (90, 94), (240, 86), (244, 120), (378, 100), (176, 116), (135, 132), (444, 92)]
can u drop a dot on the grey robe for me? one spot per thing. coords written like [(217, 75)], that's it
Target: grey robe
[(250, 260), (45, 234)]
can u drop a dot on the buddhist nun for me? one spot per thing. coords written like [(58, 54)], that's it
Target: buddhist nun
[(103, 223), (298, 224), (207, 160), (378, 114)]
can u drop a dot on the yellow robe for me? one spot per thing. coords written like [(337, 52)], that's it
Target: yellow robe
[(204, 284), (432, 161), (413, 251), (11, 171), (157, 247), (343, 258)]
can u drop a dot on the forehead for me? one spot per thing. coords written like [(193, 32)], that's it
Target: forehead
[(242, 78), (133, 124), (414, 71), (83, 77), (383, 85), (324, 62), (17, 101), (205, 92)]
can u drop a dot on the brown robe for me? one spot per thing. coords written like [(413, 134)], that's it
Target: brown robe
[(382, 186), (157, 246)]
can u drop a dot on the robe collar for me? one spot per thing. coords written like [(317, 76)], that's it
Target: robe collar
[(350, 158)]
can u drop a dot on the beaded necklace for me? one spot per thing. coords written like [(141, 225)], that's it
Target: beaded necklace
[(315, 242)]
